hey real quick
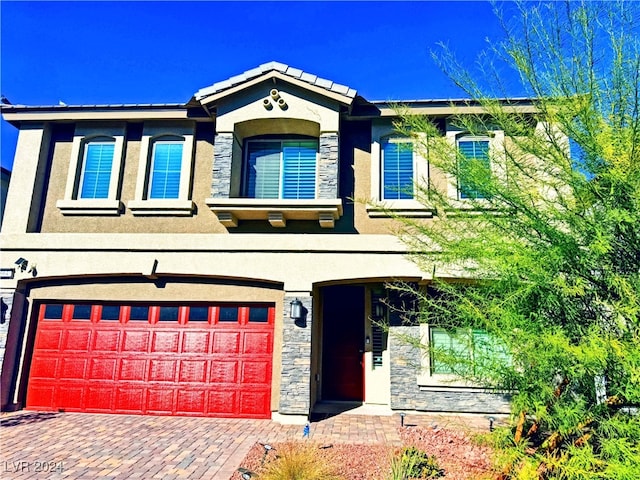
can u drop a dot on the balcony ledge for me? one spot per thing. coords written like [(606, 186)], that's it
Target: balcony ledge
[(276, 211)]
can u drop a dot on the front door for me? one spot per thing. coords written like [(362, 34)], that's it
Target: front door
[(342, 347)]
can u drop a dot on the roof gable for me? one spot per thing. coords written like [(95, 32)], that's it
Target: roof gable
[(265, 71)]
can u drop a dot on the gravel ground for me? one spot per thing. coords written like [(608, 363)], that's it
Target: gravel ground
[(457, 454)]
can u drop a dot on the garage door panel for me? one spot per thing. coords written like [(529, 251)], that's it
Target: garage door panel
[(76, 340), (195, 342), (226, 342), (216, 365), (69, 396), (165, 342), (254, 403), (44, 367), (103, 368), (133, 369), (136, 341), (160, 400), (130, 399), (162, 371), (193, 371), (106, 341), (41, 396), (256, 372), (223, 402), (257, 343), (100, 398), (224, 371), (48, 340), (191, 402), (73, 368)]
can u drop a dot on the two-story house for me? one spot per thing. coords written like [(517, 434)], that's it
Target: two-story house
[(212, 258)]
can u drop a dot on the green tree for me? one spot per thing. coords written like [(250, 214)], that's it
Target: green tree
[(550, 235)]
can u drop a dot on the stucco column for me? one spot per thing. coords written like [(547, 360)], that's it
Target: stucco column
[(222, 159), (295, 384), (12, 332), (24, 198)]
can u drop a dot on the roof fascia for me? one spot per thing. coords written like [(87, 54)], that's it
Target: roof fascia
[(102, 114), (285, 78)]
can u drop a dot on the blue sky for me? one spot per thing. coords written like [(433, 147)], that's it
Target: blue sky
[(163, 52)]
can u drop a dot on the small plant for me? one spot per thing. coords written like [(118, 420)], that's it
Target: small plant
[(414, 463), (298, 461)]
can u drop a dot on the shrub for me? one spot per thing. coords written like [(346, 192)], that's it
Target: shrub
[(414, 463), (298, 461)]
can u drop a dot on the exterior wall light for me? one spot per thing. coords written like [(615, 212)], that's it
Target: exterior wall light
[(295, 309)]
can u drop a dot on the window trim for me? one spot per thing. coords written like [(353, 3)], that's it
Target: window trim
[(380, 207), (71, 204), (183, 205)]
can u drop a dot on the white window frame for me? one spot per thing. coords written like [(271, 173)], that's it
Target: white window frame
[(380, 207), (73, 205), (181, 206)]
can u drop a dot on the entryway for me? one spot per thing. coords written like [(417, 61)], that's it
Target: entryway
[(343, 317)]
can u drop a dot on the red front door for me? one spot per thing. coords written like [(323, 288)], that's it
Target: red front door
[(342, 347), (208, 360)]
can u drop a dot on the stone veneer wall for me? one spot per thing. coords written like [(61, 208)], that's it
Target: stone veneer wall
[(328, 166), (407, 395), (295, 382), (222, 157)]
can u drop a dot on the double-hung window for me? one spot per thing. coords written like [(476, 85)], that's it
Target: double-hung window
[(165, 171), (473, 166), (397, 170), (281, 169), (96, 168)]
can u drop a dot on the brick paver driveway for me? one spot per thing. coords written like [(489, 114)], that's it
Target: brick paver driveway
[(94, 446)]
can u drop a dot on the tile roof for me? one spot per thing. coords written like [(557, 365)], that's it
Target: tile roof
[(282, 68)]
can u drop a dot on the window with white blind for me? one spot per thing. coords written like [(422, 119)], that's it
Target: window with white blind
[(397, 170), (166, 165), (96, 168), (473, 166), (281, 169)]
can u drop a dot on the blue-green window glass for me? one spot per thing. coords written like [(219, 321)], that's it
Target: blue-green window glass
[(397, 170), (165, 170), (471, 348), (96, 170), (472, 151), (281, 169)]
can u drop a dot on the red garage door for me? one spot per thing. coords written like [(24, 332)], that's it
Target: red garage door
[(208, 360)]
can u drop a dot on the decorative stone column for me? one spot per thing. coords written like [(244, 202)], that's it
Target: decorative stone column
[(295, 382), (221, 169), (328, 166)]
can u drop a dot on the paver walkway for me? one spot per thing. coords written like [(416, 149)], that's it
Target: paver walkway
[(47, 445), (94, 446)]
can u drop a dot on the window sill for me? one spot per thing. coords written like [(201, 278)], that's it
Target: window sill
[(231, 210), (400, 208), (90, 207), (180, 208)]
